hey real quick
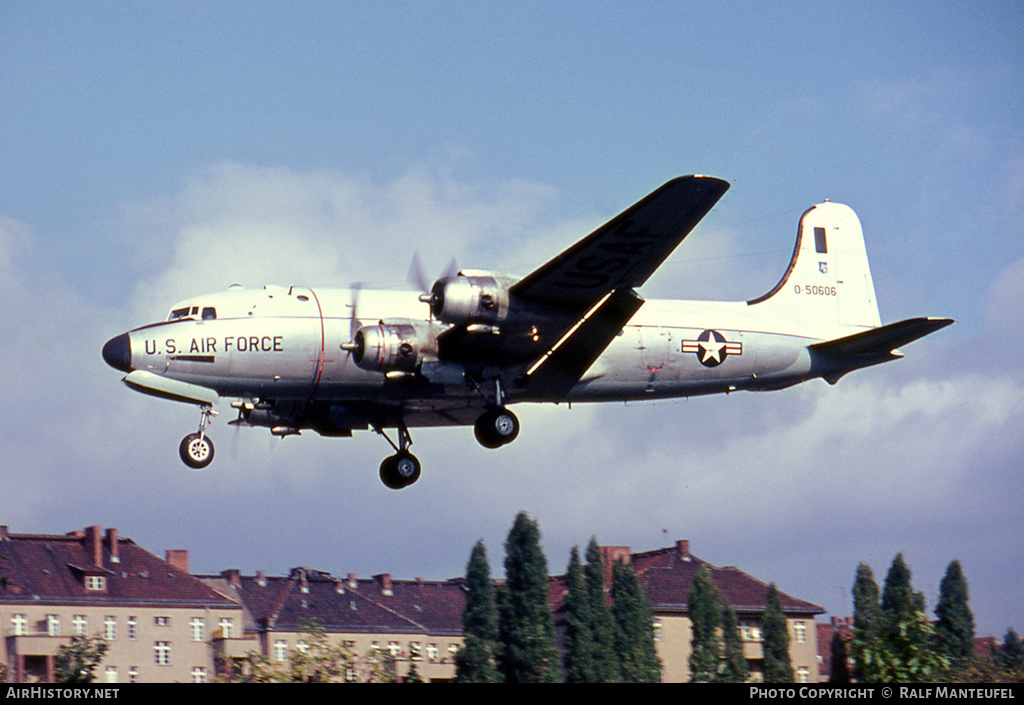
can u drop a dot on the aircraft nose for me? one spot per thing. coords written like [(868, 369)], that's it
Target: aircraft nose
[(118, 353)]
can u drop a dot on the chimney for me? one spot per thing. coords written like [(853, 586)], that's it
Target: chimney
[(352, 581), (261, 578), (232, 576), (384, 580), (94, 545), (112, 545), (683, 549), (610, 554), (178, 557), (3, 532)]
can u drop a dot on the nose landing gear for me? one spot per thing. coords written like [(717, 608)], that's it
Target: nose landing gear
[(196, 449)]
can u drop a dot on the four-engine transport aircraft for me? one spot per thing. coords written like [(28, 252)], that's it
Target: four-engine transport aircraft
[(574, 330)]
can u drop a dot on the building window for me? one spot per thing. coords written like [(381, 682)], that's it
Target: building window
[(79, 625), (110, 627), (394, 649), (803, 675), (800, 631), (19, 625), (414, 651), (197, 628), (198, 674), (162, 621), (162, 653), (227, 627), (432, 652), (52, 625), (133, 674), (280, 650), (133, 628), (111, 674), (657, 630), (95, 582)]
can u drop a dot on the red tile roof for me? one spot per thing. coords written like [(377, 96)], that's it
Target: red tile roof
[(378, 604), (42, 568), (666, 574)]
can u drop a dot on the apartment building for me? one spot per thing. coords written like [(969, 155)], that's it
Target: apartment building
[(665, 577), (163, 624), (155, 617), (398, 625)]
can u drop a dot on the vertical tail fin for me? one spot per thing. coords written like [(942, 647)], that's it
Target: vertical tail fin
[(827, 287)]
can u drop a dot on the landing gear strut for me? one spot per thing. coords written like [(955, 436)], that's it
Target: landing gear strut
[(403, 468), (196, 449)]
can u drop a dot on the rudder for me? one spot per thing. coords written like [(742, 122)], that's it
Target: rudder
[(827, 287)]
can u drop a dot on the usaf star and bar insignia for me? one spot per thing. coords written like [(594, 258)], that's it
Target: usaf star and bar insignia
[(711, 348)]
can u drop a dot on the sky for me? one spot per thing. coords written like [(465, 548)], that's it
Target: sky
[(151, 152)]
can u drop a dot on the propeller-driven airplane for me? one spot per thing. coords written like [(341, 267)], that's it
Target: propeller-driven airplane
[(574, 330)]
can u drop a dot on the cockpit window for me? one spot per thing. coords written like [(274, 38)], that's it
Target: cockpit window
[(187, 312), (209, 313)]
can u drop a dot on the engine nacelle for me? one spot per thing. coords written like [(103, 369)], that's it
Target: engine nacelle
[(470, 297), (388, 347)]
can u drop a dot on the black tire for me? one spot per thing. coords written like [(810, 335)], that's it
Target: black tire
[(196, 450), (400, 470), (496, 428)]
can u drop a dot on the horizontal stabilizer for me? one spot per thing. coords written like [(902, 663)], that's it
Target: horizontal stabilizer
[(873, 346), (175, 390)]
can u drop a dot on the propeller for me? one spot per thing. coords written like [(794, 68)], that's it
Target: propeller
[(419, 281)]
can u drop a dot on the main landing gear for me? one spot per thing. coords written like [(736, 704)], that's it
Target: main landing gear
[(196, 449), (403, 468), (497, 426)]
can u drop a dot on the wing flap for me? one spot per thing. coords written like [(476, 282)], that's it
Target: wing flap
[(558, 371), (625, 251)]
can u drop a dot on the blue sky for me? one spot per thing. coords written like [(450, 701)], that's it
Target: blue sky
[(153, 151)]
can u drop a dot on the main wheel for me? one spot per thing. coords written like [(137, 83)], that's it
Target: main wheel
[(496, 428), (196, 450), (400, 470)]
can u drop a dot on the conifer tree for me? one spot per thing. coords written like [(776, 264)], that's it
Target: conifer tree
[(475, 661), (777, 665), (734, 667), (527, 632), (902, 648), (634, 627), (578, 644), (705, 618), (955, 625), (602, 627), (1010, 656), (866, 619)]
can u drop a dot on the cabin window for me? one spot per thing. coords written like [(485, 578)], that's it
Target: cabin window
[(209, 313), (820, 243)]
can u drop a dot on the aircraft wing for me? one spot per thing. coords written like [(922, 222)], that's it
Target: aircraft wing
[(625, 251)]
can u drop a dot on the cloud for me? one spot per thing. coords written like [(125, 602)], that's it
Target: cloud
[(917, 454)]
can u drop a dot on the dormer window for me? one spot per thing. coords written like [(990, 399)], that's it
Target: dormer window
[(95, 582)]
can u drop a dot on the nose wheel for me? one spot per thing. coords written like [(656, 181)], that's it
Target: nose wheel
[(196, 449)]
